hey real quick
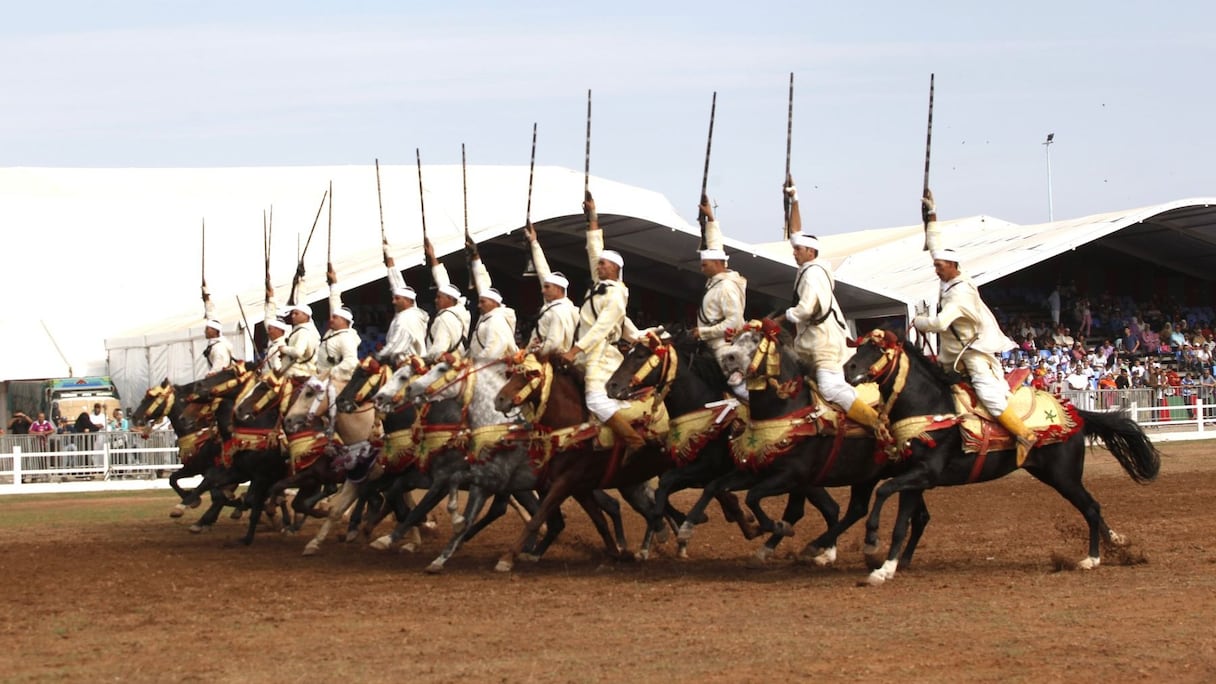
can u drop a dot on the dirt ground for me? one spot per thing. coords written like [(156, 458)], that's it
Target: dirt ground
[(108, 587)]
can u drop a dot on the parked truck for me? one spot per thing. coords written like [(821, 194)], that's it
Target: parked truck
[(61, 397)]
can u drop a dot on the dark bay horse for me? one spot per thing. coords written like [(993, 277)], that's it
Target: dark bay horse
[(919, 395), (554, 399)]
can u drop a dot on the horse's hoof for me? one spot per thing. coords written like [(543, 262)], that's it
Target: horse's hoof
[(684, 534), (503, 565), (874, 579), (1117, 539), (236, 514), (408, 547), (178, 511), (760, 558), (351, 536), (434, 568), (194, 503), (626, 556), (750, 529), (312, 549), (528, 557), (698, 518), (1089, 563), (383, 543), (644, 554), (682, 552), (197, 528), (824, 558), (783, 529)]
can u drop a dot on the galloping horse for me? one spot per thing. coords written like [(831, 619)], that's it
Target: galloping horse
[(253, 453), (945, 446), (498, 454), (798, 443), (574, 466), (682, 370), (198, 441)]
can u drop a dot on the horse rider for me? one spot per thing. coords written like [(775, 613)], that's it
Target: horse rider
[(407, 332), (338, 353), (558, 318), (494, 335), (449, 332), (821, 338), (725, 296), (300, 349), (602, 322), (218, 353), (276, 331), (969, 336)]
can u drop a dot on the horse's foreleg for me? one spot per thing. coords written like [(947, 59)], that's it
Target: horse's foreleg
[(416, 515), (338, 505), (731, 481), (596, 514), (822, 550), (909, 502), (558, 492), (477, 499), (612, 508), (920, 520), (923, 475), (639, 498)]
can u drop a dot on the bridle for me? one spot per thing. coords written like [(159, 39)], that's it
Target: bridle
[(663, 358), (539, 376), (377, 375), (768, 357), (890, 369)]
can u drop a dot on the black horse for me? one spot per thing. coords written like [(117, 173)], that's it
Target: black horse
[(797, 445), (683, 369), (918, 394), (253, 454)]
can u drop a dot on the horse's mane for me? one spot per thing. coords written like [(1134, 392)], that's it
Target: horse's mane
[(570, 371), (935, 370)]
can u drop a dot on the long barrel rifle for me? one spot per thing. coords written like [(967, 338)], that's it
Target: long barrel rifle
[(709, 143), (299, 277), (928, 149), (789, 139)]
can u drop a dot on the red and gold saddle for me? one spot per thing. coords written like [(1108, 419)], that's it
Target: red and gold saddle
[(1053, 419), (646, 416), (759, 442)]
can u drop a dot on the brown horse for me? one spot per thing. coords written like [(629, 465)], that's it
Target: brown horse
[(555, 399)]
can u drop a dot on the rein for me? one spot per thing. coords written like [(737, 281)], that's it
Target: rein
[(662, 357)]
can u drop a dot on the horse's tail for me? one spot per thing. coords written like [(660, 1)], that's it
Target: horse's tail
[(1126, 441)]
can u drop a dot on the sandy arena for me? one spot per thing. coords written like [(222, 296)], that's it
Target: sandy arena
[(107, 587)]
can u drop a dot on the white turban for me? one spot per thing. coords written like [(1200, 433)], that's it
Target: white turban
[(407, 292), (492, 295), (713, 255), (945, 255), (278, 325), (343, 312), (451, 291), (302, 308), (556, 278), (215, 325), (613, 256), (804, 240)]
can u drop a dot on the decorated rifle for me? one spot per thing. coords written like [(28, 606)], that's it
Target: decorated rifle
[(701, 219), (928, 148), (789, 139), (299, 277)]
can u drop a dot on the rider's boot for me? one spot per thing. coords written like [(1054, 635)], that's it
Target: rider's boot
[(620, 427), (1019, 431), (865, 414)]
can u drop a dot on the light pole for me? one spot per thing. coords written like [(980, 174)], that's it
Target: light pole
[(1047, 147)]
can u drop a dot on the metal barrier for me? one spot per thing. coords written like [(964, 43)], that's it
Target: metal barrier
[(89, 456)]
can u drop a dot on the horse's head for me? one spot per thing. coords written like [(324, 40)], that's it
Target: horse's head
[(754, 353), (876, 357), (527, 375), (365, 381), (156, 404), (305, 406), (392, 392), (443, 380), (644, 365), (266, 393)]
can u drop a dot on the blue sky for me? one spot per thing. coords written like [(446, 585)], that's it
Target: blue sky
[(165, 84)]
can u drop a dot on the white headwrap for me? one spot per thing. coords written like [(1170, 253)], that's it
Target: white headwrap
[(556, 278), (302, 308), (407, 292), (945, 255), (278, 325), (215, 325), (343, 312), (492, 295), (451, 291), (714, 255), (804, 240), (613, 256)]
